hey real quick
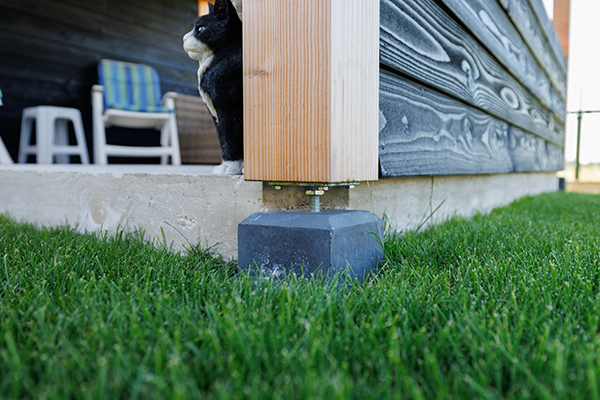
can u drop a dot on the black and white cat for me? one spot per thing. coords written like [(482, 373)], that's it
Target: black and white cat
[(216, 43)]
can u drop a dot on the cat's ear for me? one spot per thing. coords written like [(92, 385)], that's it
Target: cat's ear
[(232, 10), (211, 8), (220, 9)]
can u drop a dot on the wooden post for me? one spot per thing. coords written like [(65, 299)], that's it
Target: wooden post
[(311, 90), (561, 21)]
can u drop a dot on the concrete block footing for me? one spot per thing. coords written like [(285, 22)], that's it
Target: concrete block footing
[(275, 243), (188, 205)]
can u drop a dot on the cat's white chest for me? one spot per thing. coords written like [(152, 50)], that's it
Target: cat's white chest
[(202, 67), (204, 55)]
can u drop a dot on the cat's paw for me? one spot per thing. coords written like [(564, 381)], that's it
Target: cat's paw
[(230, 168)]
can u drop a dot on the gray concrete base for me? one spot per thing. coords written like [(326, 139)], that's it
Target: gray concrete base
[(275, 243), (189, 204), (408, 202)]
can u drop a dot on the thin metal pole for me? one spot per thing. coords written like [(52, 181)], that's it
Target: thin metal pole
[(578, 145), (579, 115)]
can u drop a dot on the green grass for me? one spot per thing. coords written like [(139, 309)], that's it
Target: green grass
[(504, 305)]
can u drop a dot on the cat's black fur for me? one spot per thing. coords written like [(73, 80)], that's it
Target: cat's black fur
[(221, 31)]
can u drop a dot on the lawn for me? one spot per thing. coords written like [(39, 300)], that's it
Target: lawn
[(504, 305)]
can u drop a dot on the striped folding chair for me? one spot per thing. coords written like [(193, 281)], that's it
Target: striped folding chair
[(129, 96)]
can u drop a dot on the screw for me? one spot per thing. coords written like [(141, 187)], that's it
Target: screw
[(315, 204)]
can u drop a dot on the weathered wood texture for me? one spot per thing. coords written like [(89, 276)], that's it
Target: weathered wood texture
[(49, 50), (311, 75), (423, 132), (548, 30), (524, 19), (489, 23), (546, 26), (420, 40)]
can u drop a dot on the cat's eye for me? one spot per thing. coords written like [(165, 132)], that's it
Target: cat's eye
[(200, 29)]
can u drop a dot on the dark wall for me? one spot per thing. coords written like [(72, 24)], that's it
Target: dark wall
[(49, 51)]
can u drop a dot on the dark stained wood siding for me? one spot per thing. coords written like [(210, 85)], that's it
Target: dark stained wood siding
[(469, 87), (49, 51), (423, 132), (446, 57), (547, 28), (488, 21), (525, 20)]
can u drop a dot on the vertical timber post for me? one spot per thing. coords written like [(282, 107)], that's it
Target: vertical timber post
[(311, 90), (311, 116)]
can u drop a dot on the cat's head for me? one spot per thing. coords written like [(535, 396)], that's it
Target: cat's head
[(213, 31)]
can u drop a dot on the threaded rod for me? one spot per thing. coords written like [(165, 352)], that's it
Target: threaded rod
[(315, 203)]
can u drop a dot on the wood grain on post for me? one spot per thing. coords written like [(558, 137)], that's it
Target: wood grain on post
[(311, 89), (561, 21)]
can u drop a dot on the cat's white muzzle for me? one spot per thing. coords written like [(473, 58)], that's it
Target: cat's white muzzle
[(195, 49)]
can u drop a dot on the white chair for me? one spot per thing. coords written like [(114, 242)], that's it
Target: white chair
[(4, 156), (52, 135), (128, 96)]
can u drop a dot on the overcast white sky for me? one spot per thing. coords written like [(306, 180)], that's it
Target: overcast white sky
[(584, 78)]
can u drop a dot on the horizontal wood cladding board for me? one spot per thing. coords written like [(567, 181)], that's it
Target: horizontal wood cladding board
[(102, 43), (549, 31), (420, 40), (423, 132), (142, 15), (530, 153), (174, 9), (526, 22), (71, 16), (37, 58), (29, 35), (34, 91), (489, 23)]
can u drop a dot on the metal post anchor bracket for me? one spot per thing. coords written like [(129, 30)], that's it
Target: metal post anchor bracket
[(313, 190)]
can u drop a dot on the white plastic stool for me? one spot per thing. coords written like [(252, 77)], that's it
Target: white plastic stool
[(52, 136), (4, 156)]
